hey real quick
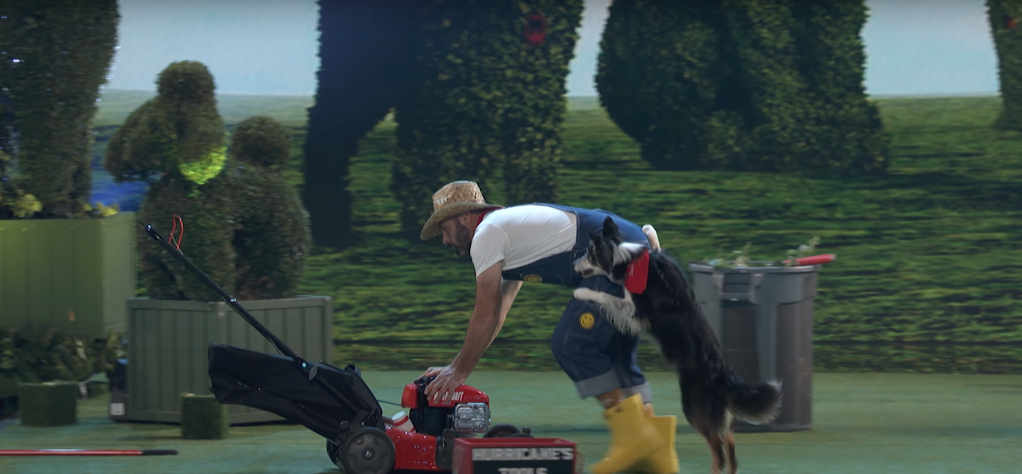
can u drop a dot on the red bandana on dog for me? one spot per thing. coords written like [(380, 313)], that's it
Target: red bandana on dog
[(637, 273)]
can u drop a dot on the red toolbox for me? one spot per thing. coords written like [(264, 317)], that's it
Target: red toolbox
[(516, 456)]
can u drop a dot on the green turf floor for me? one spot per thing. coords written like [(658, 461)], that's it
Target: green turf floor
[(863, 424)]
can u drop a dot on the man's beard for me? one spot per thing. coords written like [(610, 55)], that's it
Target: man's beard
[(463, 245)]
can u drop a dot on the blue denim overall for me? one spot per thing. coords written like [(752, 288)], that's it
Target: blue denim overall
[(594, 354)]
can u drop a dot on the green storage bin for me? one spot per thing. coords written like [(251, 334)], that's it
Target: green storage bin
[(71, 274)]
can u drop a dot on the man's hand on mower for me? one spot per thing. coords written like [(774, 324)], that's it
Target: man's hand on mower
[(431, 372), (446, 381)]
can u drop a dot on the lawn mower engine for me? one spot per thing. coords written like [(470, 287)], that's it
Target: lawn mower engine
[(467, 411), (436, 425)]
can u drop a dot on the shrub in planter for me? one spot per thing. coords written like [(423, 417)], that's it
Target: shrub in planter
[(222, 200), (63, 267), (39, 355), (56, 55)]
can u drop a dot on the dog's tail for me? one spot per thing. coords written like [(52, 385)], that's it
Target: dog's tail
[(650, 232), (754, 403)]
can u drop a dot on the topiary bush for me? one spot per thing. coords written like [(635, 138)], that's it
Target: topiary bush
[(665, 76), (741, 86), (534, 96), (845, 127), (246, 227), (488, 97), (273, 239), (54, 56), (37, 355), (178, 134), (365, 49), (1004, 16)]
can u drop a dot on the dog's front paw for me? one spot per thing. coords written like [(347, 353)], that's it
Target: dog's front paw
[(587, 294)]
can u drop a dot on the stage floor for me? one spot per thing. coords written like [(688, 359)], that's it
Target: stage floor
[(862, 423)]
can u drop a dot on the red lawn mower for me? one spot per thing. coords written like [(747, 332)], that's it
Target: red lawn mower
[(338, 405)]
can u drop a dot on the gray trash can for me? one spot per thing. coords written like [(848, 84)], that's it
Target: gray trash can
[(763, 316)]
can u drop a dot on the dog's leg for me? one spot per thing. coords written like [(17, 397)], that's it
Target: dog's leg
[(717, 450), (732, 461), (619, 311)]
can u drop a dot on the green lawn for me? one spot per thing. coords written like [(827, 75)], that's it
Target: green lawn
[(862, 424), (928, 253)]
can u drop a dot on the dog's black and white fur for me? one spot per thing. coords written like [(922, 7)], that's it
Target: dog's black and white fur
[(712, 395)]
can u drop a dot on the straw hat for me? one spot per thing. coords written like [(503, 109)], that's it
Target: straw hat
[(453, 199)]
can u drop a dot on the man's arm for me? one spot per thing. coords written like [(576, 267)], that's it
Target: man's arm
[(508, 292), (487, 318)]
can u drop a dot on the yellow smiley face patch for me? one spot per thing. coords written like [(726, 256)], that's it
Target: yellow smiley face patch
[(586, 320)]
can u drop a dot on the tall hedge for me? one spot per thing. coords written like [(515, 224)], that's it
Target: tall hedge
[(665, 76), (365, 49), (243, 224), (177, 141), (740, 85), (487, 101), (762, 40), (1004, 16), (55, 56), (450, 126), (272, 240), (845, 126), (534, 96)]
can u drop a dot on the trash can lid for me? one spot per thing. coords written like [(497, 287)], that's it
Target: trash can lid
[(759, 267)]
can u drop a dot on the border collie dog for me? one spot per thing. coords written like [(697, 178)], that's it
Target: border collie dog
[(659, 301)]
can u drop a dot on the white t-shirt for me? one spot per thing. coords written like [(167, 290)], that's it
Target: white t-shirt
[(521, 235)]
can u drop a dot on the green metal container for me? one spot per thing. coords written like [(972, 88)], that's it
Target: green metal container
[(168, 340), (763, 316), (72, 274)]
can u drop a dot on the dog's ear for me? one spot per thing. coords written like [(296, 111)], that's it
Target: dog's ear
[(595, 236), (610, 230)]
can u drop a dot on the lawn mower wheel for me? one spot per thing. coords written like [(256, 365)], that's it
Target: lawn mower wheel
[(368, 451)]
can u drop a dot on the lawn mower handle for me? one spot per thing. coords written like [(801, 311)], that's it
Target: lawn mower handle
[(304, 366), (227, 298)]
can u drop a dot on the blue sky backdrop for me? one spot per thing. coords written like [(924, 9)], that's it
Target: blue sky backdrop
[(264, 47)]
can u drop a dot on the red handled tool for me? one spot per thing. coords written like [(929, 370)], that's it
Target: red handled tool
[(814, 260), (87, 452)]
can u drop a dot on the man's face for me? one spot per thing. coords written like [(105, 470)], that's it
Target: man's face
[(457, 236)]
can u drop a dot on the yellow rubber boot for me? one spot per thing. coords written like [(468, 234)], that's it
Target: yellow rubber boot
[(665, 459), (632, 437)]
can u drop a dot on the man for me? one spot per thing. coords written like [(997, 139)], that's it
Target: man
[(540, 243)]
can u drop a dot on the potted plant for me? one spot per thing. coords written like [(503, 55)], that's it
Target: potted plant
[(762, 312), (220, 199), (67, 264), (38, 355)]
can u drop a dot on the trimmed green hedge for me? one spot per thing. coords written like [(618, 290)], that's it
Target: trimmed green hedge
[(1004, 16), (55, 56), (272, 239), (40, 355), (449, 128), (178, 134), (365, 49), (244, 225), (486, 100), (669, 76), (534, 97), (740, 85), (845, 127)]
